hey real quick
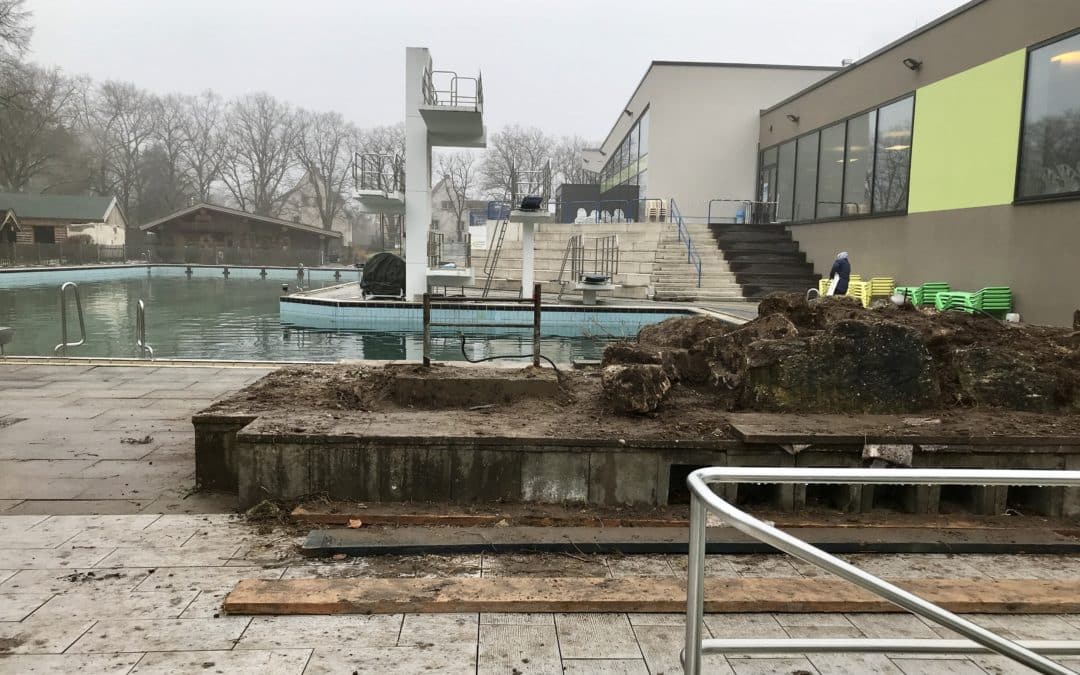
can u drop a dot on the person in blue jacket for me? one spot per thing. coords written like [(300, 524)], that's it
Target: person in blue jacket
[(841, 268)]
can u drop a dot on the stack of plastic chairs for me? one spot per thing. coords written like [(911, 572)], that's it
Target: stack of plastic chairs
[(912, 293), (823, 286), (955, 300), (860, 290), (881, 286), (996, 300), (928, 292)]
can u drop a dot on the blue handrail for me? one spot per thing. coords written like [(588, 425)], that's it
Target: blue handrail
[(692, 256)]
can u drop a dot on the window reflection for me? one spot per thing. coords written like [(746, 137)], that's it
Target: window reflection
[(859, 164), (831, 172), (785, 182), (806, 164), (892, 164), (1050, 149)]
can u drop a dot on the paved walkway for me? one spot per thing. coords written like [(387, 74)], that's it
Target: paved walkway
[(141, 592), (105, 439)]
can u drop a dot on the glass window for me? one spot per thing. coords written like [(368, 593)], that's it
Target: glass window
[(831, 172), (859, 164), (892, 163), (634, 143), (785, 182), (643, 141), (1050, 149), (764, 211), (806, 177)]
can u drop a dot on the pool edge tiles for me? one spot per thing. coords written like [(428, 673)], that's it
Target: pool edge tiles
[(556, 320), (36, 276)]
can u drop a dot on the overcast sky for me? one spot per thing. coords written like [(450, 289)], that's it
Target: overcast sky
[(566, 66)]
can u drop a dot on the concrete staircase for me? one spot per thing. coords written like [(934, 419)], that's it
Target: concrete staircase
[(764, 258), (637, 251), (675, 279)]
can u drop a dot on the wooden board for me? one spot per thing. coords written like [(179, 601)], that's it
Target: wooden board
[(784, 428), (669, 540), (636, 594)]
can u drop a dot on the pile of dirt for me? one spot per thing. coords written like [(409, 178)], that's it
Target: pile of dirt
[(832, 355)]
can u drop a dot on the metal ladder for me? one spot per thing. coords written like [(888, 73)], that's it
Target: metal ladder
[(140, 332), (61, 348), (494, 251)]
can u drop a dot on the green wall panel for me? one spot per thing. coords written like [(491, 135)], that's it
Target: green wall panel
[(967, 131)]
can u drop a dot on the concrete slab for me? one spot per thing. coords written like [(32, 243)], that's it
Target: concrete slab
[(438, 629), (265, 662), (44, 558), (520, 649), (61, 664), (41, 635), (605, 667), (317, 631), (459, 659), (661, 646), (145, 635), (74, 580), (17, 606), (108, 604), (598, 636)]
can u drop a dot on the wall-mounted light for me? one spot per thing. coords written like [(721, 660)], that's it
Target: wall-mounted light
[(912, 64), (628, 113), (793, 118)]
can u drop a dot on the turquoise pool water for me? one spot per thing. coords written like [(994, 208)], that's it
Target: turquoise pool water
[(209, 316)]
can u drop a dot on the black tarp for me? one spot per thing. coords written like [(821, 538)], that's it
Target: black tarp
[(384, 274)]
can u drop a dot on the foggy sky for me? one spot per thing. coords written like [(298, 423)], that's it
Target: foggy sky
[(566, 66)]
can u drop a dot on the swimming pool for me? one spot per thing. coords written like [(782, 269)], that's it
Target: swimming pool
[(206, 315)]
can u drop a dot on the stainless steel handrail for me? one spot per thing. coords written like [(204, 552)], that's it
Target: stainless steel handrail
[(703, 499), (140, 331), (64, 344)]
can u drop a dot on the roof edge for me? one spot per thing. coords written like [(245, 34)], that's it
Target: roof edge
[(708, 64), (878, 52), (237, 212)]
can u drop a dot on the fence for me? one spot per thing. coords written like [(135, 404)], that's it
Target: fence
[(91, 254)]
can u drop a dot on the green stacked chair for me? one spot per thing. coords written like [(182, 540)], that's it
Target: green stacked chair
[(996, 300), (928, 292), (956, 300), (912, 293)]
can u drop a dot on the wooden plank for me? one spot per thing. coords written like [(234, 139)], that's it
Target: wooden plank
[(636, 594), (780, 428), (668, 540)]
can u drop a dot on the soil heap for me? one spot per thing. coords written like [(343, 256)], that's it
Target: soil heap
[(832, 355)]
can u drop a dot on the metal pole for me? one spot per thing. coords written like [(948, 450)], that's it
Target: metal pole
[(427, 329), (536, 325), (695, 587), (63, 322)]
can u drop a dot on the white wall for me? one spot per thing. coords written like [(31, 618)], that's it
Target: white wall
[(703, 120)]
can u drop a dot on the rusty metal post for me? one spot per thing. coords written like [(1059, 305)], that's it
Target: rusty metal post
[(427, 329), (536, 325)]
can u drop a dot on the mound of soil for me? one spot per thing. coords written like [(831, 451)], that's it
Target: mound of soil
[(833, 355)]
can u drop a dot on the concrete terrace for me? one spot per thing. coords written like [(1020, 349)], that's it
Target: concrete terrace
[(138, 589)]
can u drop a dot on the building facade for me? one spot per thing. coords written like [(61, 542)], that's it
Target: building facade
[(951, 155), (689, 132), (52, 219)]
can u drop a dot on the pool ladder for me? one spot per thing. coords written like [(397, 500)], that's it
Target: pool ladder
[(61, 348), (140, 332)]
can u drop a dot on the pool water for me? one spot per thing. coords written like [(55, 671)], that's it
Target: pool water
[(209, 316)]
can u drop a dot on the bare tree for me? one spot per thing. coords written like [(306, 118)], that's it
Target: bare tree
[(165, 184), (325, 149), (459, 175), (513, 153), (118, 118), (35, 121), (203, 122), (261, 159), (15, 28), (566, 166)]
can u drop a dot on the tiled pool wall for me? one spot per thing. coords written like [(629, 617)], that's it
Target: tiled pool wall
[(556, 320), (58, 275)]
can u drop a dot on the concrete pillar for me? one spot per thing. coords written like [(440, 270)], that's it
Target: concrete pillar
[(528, 259), (417, 175)]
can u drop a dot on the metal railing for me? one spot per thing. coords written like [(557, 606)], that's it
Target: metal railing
[(692, 256), (535, 325), (140, 332), (703, 499), (381, 173), (447, 88), (62, 348)]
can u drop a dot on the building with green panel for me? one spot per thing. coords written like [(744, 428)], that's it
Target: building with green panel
[(952, 154)]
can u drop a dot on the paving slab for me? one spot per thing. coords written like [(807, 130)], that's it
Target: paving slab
[(264, 662), (662, 645), (104, 603), (601, 636), (146, 635), (438, 629), (526, 650), (47, 558), (41, 635), (79, 506), (932, 666), (848, 664), (64, 664), (330, 631), (446, 660), (605, 667), (73, 580), (18, 606), (177, 556)]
